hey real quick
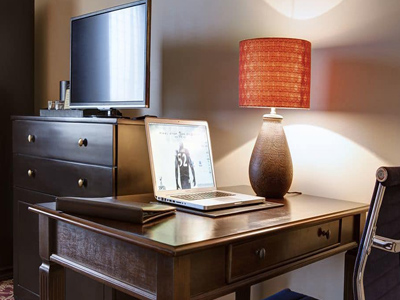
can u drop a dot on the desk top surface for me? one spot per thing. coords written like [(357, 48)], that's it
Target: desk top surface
[(185, 232)]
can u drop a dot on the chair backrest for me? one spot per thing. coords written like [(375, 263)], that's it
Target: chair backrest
[(377, 268)]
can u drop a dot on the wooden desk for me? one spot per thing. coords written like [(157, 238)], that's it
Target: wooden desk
[(192, 257)]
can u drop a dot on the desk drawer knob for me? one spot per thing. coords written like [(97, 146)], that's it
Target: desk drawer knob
[(261, 253), (325, 233), (31, 138), (82, 142), (82, 182), (31, 173)]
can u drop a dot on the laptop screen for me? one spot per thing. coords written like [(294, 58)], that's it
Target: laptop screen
[(181, 156)]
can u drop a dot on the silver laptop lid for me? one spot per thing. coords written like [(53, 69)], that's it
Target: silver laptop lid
[(180, 156)]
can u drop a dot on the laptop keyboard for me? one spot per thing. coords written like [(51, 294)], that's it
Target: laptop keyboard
[(204, 195)]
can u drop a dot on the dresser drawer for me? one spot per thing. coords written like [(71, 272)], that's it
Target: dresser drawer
[(62, 178), (80, 142), (246, 259)]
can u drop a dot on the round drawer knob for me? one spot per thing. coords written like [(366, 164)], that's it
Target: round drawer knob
[(325, 233), (31, 138), (82, 182), (31, 173), (82, 142), (261, 253)]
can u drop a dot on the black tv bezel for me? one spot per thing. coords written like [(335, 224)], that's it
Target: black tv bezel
[(117, 104)]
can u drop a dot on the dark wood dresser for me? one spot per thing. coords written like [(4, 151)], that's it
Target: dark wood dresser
[(88, 157)]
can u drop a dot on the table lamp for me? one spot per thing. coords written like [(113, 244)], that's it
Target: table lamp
[(274, 73)]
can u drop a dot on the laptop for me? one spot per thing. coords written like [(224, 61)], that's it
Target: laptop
[(182, 166)]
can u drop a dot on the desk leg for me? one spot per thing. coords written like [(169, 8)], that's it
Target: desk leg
[(349, 262), (173, 277), (243, 293), (52, 282), (51, 275), (350, 258)]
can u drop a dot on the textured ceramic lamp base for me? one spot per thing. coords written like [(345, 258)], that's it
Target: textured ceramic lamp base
[(271, 169)]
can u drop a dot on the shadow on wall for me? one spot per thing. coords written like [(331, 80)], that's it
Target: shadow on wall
[(52, 47), (198, 77), (362, 86), (360, 79), (41, 44), (201, 82), (358, 83)]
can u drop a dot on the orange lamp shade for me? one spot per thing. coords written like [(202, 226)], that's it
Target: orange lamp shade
[(274, 72)]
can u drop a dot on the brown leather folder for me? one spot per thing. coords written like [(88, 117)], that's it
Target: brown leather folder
[(131, 208)]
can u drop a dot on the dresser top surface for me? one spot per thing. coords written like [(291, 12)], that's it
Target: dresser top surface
[(77, 120)]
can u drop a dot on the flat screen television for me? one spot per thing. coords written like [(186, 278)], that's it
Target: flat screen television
[(110, 58)]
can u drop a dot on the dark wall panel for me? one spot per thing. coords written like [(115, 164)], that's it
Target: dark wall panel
[(16, 98)]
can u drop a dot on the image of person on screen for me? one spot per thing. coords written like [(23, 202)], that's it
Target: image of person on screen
[(183, 163)]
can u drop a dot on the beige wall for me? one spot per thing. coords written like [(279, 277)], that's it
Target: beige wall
[(352, 127)]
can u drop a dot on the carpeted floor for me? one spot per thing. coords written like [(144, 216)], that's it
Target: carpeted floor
[(6, 290)]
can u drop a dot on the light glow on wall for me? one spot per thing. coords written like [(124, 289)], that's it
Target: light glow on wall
[(325, 164), (303, 9), (331, 165)]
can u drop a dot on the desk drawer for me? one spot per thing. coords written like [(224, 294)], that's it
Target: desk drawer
[(61, 178), (80, 142), (253, 257)]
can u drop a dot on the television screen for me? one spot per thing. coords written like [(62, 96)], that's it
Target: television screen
[(110, 58)]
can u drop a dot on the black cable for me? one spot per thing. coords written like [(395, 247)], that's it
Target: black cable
[(294, 193)]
